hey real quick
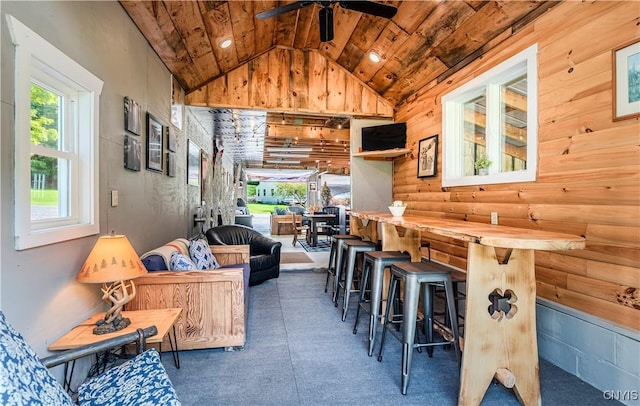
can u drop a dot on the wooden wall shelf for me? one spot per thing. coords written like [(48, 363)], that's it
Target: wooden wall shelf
[(387, 154)]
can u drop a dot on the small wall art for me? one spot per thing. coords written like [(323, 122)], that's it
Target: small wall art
[(171, 164), (428, 157), (154, 143), (171, 139), (132, 116), (626, 81), (132, 153), (193, 164), (177, 103)]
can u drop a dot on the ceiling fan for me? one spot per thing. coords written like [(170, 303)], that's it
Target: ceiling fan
[(326, 12)]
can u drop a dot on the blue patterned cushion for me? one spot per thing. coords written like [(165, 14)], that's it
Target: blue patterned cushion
[(23, 378), (180, 262), (141, 381), (202, 256)]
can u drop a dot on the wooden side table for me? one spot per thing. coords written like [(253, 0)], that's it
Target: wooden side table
[(163, 319)]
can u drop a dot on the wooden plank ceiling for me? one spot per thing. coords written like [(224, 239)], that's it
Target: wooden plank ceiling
[(423, 44)]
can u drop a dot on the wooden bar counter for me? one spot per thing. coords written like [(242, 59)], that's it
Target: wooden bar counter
[(495, 342)]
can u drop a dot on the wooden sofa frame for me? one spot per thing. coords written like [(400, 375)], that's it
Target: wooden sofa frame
[(214, 302)]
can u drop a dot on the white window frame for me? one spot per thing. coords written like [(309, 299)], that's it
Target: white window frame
[(453, 123), (37, 60)]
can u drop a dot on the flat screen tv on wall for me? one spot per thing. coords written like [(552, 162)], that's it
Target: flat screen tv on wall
[(384, 137)]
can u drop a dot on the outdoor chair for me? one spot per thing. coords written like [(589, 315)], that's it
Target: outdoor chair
[(27, 381)]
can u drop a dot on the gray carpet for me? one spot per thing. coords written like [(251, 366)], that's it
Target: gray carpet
[(298, 352)]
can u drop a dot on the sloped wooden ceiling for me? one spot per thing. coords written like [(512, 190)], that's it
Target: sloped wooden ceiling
[(424, 42), (280, 64), (292, 80)]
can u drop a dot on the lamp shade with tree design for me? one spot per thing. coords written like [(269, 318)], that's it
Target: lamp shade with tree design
[(114, 263)]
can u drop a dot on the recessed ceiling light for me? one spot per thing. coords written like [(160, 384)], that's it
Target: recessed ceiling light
[(374, 57), (225, 43)]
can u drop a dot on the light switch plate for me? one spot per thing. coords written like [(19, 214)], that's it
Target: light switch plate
[(114, 198), (494, 217)]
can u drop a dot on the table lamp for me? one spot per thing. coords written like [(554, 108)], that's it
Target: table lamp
[(114, 263)]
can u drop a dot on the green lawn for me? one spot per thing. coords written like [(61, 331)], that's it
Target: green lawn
[(47, 197), (257, 208)]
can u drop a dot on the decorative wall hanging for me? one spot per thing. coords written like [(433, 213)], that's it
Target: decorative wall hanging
[(428, 157), (132, 153), (171, 139), (193, 164), (171, 164), (132, 116), (177, 103), (154, 143), (626, 81)]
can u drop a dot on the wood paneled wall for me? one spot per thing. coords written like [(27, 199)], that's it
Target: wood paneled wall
[(588, 180), (284, 79)]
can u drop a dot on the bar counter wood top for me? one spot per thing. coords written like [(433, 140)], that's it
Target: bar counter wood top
[(485, 234), (497, 342)]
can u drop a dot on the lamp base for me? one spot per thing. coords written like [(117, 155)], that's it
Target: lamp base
[(117, 324)]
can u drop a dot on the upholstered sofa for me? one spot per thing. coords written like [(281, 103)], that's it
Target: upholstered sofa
[(264, 251), (214, 302)]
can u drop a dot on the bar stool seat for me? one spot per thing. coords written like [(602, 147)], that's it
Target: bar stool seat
[(419, 278), (335, 257), (350, 249), (374, 263)]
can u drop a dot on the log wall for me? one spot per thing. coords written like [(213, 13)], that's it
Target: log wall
[(284, 79), (588, 180)]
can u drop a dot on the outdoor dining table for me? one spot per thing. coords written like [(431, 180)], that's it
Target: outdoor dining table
[(500, 321), (314, 220)]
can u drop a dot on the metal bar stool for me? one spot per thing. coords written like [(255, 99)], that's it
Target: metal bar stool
[(350, 249), (335, 257), (374, 263), (457, 277), (419, 278)]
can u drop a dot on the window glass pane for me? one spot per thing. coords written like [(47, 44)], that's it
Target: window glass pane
[(513, 124), (49, 194), (475, 138), (45, 117)]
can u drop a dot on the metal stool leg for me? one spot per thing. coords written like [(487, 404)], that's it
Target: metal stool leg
[(376, 300), (340, 274), (388, 315), (366, 266), (411, 296), (350, 268), (331, 268)]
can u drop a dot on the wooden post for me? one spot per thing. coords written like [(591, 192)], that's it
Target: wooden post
[(500, 342)]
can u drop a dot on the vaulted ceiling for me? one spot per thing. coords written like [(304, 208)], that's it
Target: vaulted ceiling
[(424, 43)]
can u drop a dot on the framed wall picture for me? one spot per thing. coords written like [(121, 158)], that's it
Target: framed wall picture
[(193, 164), (171, 164), (313, 186), (177, 103), (132, 116), (171, 139), (428, 157), (154, 144), (626, 81), (204, 170), (132, 153)]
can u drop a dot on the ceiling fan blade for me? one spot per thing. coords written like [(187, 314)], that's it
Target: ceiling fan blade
[(283, 9), (370, 7), (326, 24)]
